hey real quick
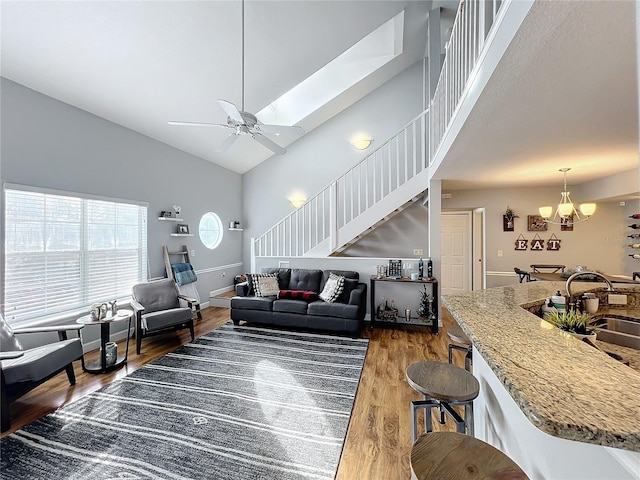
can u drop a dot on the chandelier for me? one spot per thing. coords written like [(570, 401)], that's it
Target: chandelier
[(566, 212)]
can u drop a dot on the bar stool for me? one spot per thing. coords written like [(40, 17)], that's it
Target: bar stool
[(444, 386), (456, 334), (450, 455)]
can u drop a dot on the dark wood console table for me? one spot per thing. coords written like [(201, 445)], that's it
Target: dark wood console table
[(405, 281)]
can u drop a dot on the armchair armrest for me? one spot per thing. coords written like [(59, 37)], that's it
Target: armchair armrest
[(189, 300), (53, 328), (136, 306), (10, 355)]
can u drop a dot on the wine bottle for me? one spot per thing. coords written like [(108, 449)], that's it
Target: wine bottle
[(429, 269), (635, 225), (634, 245), (635, 255), (420, 268), (634, 235), (635, 215)]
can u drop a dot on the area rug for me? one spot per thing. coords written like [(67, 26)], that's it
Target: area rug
[(238, 403)]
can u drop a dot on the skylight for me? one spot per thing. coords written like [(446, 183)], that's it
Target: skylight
[(362, 59)]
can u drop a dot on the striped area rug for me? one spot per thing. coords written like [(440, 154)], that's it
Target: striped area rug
[(238, 403)]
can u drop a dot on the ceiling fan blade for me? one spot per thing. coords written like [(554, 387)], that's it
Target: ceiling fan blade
[(198, 124), (295, 129), (231, 110), (224, 146), (274, 147)]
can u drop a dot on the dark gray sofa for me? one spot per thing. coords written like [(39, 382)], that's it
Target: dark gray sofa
[(345, 315)]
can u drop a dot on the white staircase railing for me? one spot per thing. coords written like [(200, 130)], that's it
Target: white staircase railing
[(381, 173), (470, 29), (394, 171)]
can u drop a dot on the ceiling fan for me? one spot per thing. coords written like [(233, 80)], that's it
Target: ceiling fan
[(245, 123)]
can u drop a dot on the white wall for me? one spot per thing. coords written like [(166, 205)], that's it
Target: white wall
[(325, 153)]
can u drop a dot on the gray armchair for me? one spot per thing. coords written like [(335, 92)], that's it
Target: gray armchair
[(24, 369), (157, 309)]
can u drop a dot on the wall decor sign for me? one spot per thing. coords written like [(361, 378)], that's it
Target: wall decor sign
[(521, 243), (535, 223), (553, 243), (566, 225), (537, 243)]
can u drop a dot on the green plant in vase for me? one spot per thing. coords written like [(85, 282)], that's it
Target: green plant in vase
[(572, 322)]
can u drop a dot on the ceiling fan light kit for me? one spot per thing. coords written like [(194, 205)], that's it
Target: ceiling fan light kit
[(245, 123)]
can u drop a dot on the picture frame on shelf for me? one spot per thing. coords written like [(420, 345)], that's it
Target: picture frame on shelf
[(183, 228), (166, 214), (535, 223)]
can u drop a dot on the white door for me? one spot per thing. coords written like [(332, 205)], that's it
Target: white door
[(456, 252)]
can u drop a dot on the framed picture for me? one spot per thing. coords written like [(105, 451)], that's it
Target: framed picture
[(566, 224), (507, 224), (165, 214), (535, 223), (183, 228)]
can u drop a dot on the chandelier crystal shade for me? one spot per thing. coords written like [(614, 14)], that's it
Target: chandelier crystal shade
[(566, 211)]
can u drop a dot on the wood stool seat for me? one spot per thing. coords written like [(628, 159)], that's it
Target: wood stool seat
[(450, 455), (455, 333), (444, 386)]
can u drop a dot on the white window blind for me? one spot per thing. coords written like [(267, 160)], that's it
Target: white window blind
[(64, 252)]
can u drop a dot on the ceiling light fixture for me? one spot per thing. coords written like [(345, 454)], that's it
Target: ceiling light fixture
[(362, 143), (566, 212)]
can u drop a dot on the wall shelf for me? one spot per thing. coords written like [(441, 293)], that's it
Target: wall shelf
[(236, 229), (170, 219), (181, 234)]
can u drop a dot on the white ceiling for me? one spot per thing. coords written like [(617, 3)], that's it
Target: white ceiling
[(564, 95), (142, 63)]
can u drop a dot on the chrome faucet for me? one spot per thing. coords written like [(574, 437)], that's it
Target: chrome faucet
[(579, 274)]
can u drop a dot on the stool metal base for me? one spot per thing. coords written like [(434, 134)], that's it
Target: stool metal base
[(467, 358), (463, 425)]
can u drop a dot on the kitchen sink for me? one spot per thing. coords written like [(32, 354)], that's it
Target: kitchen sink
[(619, 331)]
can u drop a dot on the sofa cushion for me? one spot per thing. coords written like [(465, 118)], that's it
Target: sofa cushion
[(267, 286), (324, 309), (305, 295), (253, 303), (290, 306), (302, 279), (166, 318), (332, 288)]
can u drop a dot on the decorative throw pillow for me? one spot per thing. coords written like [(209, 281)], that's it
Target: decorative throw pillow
[(267, 286), (333, 288), (349, 286), (306, 295), (252, 280)]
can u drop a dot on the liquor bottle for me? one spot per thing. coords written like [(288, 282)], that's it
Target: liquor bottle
[(635, 225), (420, 268), (429, 268), (635, 215), (635, 255), (634, 235)]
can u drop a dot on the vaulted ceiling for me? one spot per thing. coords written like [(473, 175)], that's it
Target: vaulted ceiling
[(141, 64)]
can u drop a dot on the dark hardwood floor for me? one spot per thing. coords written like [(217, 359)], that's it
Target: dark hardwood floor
[(378, 441)]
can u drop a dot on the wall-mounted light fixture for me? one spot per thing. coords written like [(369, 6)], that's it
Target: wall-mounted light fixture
[(362, 143), (566, 210), (298, 201)]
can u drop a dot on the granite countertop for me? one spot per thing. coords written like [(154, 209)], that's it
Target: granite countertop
[(564, 387)]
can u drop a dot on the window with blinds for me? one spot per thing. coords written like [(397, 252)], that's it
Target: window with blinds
[(64, 252)]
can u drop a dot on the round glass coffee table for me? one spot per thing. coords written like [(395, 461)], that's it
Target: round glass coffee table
[(101, 365)]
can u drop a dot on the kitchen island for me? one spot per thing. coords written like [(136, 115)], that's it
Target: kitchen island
[(557, 406)]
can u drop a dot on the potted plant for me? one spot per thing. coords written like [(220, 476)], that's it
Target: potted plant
[(574, 322), (509, 216)]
